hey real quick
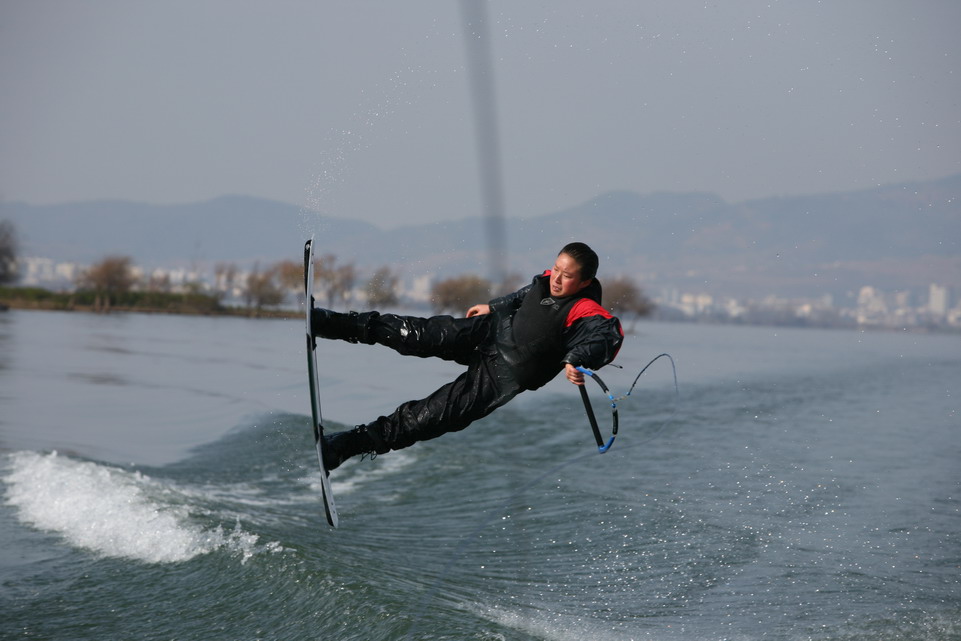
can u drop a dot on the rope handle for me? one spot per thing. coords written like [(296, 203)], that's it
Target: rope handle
[(601, 446)]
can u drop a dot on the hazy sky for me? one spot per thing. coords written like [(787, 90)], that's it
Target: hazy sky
[(362, 109)]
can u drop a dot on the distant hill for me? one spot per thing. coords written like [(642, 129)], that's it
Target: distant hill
[(234, 228), (893, 237)]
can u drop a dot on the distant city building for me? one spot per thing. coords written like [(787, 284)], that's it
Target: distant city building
[(939, 300), (419, 289), (872, 308), (695, 304), (45, 272)]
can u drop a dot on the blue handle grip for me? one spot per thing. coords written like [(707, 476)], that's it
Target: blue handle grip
[(604, 448)]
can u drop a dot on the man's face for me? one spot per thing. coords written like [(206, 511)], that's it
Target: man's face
[(566, 277)]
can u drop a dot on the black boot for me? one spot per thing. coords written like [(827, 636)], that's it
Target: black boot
[(341, 446), (352, 327)]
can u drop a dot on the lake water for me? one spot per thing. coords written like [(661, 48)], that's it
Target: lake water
[(158, 481)]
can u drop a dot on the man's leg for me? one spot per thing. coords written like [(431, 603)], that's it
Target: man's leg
[(473, 395), (444, 337)]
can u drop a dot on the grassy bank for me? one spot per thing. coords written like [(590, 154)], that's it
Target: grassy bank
[(36, 298)]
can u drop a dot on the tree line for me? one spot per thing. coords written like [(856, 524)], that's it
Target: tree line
[(335, 283), (8, 252), (112, 282)]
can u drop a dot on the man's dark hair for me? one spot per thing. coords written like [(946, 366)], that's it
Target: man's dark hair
[(585, 257)]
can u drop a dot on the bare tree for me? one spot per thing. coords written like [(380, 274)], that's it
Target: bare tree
[(263, 289), (346, 278), (626, 300), (290, 274), (382, 288), (225, 275), (455, 295), (336, 281), (108, 279), (8, 252), (159, 282), (325, 272)]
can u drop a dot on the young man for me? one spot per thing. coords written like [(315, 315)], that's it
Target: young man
[(514, 343)]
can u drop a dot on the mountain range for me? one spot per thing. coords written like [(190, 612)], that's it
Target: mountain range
[(894, 237)]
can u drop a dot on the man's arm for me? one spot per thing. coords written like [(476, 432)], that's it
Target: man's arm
[(507, 303), (592, 339), (512, 301)]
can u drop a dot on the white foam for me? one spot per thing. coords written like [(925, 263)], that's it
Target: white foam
[(111, 511), (355, 473), (555, 627)]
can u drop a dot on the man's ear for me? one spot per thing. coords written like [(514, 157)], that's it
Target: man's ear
[(585, 284)]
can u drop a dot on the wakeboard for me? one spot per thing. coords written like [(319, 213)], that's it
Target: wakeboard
[(312, 379)]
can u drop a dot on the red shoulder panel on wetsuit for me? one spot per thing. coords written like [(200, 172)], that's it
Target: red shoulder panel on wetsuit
[(583, 308)]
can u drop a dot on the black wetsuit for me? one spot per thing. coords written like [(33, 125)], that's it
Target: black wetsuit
[(522, 344)]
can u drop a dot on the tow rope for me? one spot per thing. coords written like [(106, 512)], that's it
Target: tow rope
[(601, 445)]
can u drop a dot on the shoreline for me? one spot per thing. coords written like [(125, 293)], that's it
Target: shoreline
[(60, 306), (134, 301), (288, 314)]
